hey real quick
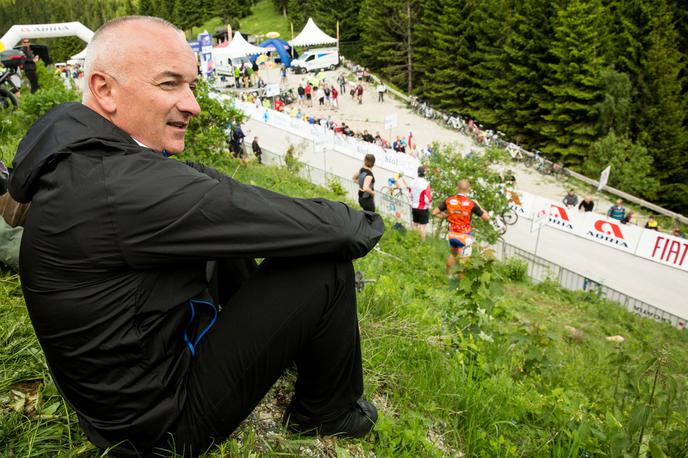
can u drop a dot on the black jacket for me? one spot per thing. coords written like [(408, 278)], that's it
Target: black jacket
[(117, 240)]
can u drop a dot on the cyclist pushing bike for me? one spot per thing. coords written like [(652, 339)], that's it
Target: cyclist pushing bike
[(458, 210)]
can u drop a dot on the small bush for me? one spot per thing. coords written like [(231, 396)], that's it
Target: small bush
[(514, 269)]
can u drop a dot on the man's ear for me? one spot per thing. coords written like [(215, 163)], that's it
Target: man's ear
[(102, 91)]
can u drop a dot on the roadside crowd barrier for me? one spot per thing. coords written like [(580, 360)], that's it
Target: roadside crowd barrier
[(325, 138), (646, 243)]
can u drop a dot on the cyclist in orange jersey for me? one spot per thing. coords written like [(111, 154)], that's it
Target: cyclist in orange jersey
[(458, 210)]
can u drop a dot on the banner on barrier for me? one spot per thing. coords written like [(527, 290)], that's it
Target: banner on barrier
[(387, 159), (610, 232), (664, 249)]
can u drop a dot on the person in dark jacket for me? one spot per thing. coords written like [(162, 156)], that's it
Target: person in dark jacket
[(30, 65), (127, 255), (257, 150)]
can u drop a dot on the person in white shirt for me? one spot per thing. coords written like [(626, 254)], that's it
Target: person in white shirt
[(421, 201), (381, 89)]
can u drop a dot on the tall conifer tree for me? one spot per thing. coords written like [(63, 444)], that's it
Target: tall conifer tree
[(574, 85)]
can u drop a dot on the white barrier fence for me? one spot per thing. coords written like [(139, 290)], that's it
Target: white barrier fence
[(326, 139), (646, 243)]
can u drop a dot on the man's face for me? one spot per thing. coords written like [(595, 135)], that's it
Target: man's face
[(155, 102), (26, 43)]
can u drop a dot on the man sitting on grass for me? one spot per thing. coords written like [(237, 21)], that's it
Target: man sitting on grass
[(138, 270)]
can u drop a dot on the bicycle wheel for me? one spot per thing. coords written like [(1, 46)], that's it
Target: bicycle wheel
[(498, 224), (509, 216)]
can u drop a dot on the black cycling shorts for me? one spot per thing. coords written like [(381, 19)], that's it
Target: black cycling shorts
[(420, 216)]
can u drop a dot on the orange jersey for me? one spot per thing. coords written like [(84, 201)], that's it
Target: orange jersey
[(459, 209)]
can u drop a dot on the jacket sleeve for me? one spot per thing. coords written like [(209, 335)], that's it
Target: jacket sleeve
[(181, 212)]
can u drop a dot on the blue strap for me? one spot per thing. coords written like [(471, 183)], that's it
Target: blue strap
[(165, 153), (192, 345)]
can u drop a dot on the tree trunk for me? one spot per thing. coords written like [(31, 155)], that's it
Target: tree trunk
[(409, 48)]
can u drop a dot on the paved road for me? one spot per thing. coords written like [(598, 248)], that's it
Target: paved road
[(659, 285)]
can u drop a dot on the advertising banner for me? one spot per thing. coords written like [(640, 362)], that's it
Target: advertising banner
[(610, 232), (206, 41), (664, 249)]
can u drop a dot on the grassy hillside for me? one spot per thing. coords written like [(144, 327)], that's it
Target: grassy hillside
[(263, 19), (493, 366)]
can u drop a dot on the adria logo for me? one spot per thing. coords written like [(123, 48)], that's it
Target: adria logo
[(608, 232), (558, 212), (614, 229)]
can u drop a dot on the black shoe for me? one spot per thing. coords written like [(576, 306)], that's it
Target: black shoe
[(356, 422)]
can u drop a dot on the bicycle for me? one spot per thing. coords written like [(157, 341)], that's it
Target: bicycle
[(501, 221)]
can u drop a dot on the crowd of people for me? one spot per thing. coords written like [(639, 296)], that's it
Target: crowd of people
[(617, 211)]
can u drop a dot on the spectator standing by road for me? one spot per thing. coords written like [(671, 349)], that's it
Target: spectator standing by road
[(652, 223), (359, 93), (30, 65), (381, 89), (301, 92), (257, 150), (308, 90), (617, 211), (586, 204), (238, 141), (421, 200), (629, 218), (342, 83), (366, 183), (570, 199)]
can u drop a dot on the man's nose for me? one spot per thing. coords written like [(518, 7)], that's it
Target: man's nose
[(188, 103)]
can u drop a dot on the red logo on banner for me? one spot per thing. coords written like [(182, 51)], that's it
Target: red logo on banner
[(608, 232), (670, 250), (600, 225), (559, 217), (556, 211), (559, 212)]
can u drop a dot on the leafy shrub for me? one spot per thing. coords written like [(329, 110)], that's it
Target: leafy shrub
[(514, 269), (447, 166), (205, 137), (336, 187)]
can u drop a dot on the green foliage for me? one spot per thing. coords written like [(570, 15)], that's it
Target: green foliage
[(336, 187), (206, 136), (631, 164), (615, 108), (292, 158), (14, 124), (387, 35), (574, 85), (514, 269), (447, 167), (263, 19)]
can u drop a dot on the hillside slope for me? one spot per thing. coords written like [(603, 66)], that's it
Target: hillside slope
[(488, 368)]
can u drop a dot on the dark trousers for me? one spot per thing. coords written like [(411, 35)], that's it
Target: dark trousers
[(289, 311), (367, 203), (33, 79)]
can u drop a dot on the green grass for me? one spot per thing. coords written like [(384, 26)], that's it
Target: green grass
[(264, 19), (448, 377)]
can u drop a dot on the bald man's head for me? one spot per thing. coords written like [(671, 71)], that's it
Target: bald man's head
[(140, 75), (463, 186), (117, 45)]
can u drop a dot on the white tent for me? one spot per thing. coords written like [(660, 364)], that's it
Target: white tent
[(80, 56), (237, 48), (312, 35)]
